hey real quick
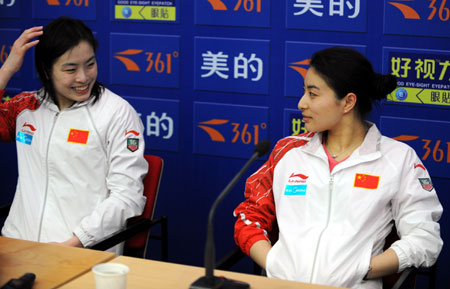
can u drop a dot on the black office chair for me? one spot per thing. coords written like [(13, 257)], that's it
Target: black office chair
[(407, 278), (4, 210)]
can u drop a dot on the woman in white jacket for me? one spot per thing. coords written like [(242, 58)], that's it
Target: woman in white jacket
[(80, 147), (334, 191)]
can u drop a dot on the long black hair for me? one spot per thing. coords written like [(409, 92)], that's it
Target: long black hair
[(61, 35), (346, 70)]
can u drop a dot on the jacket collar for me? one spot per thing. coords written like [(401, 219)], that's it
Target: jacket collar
[(50, 104), (371, 143), (369, 149)]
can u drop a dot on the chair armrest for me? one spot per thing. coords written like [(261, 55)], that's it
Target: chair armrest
[(230, 259), (4, 210), (405, 277), (123, 234)]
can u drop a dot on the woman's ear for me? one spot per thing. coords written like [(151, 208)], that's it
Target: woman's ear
[(349, 101)]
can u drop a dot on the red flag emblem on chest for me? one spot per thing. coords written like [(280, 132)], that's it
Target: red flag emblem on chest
[(366, 181), (78, 136)]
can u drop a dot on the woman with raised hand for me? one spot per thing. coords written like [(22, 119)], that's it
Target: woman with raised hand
[(80, 146)]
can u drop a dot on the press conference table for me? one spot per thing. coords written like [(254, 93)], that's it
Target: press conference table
[(53, 265), (67, 267), (150, 274)]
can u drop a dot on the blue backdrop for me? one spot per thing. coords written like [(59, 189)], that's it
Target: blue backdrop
[(210, 78)]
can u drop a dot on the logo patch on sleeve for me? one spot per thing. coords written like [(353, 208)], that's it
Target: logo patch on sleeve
[(133, 144), (78, 136), (25, 135), (426, 184), (24, 138), (366, 181)]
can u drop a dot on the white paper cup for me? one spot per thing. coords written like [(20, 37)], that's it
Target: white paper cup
[(110, 276)]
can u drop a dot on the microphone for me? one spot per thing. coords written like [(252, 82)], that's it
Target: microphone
[(24, 282), (209, 280)]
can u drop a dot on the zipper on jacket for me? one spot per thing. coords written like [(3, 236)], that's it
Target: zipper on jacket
[(46, 176), (330, 191)]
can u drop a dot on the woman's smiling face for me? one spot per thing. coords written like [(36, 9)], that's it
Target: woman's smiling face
[(74, 74)]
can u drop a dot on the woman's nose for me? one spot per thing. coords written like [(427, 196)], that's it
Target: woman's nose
[(302, 102), (81, 75)]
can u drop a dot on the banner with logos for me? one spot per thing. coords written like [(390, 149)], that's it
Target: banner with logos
[(423, 76), (228, 130)]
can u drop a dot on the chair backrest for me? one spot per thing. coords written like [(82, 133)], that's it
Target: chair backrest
[(151, 187)]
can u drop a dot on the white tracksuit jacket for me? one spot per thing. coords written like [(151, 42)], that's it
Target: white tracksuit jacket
[(331, 224), (80, 169)]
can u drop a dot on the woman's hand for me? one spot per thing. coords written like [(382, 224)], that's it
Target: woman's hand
[(15, 59), (72, 242), (382, 265)]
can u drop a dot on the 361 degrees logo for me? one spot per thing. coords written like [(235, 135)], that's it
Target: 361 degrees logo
[(247, 5), (300, 66), (3, 53), (438, 154), (437, 8), (159, 62), (243, 133), (77, 3)]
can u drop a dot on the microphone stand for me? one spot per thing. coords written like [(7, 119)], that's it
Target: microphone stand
[(209, 280)]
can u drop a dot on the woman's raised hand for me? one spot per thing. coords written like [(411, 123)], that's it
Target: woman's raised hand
[(15, 59)]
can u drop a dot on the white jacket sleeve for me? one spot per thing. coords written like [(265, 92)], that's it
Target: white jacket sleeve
[(126, 170), (416, 211)]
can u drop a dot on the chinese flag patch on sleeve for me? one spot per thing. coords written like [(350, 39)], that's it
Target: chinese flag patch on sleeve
[(366, 181), (78, 136)]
